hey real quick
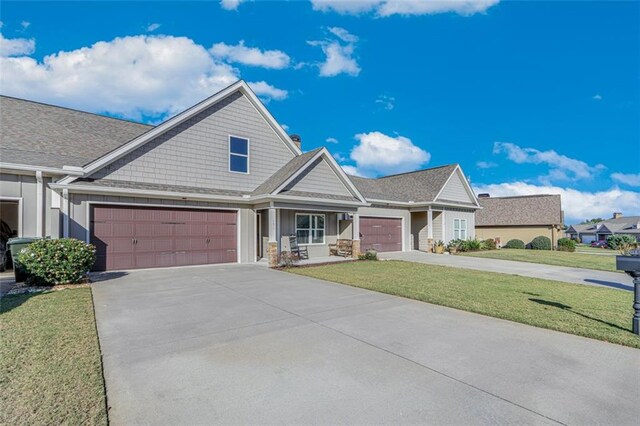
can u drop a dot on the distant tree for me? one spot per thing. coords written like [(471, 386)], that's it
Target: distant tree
[(592, 221)]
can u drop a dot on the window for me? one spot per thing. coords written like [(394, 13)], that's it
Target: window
[(238, 154), (460, 229), (310, 228)]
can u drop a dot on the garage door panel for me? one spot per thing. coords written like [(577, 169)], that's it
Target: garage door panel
[(129, 238), (381, 234)]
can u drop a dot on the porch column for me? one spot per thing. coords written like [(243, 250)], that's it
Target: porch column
[(66, 211), (430, 244), (272, 245), (355, 227), (39, 205)]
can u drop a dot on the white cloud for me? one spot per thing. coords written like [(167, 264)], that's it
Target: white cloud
[(561, 167), (485, 165), (339, 54), (379, 154), (265, 90), (230, 4), (284, 126), (331, 140), (385, 8), (387, 102), (253, 56), (129, 76), (351, 170), (340, 158), (153, 27), (577, 205), (627, 178), (16, 46), (25, 25), (597, 97)]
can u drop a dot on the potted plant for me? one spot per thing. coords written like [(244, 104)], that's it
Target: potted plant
[(452, 247), (439, 247)]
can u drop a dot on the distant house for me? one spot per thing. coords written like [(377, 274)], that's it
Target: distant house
[(601, 230), (522, 218)]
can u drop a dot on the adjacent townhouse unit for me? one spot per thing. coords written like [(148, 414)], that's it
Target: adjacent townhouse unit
[(520, 217), (220, 182), (618, 224)]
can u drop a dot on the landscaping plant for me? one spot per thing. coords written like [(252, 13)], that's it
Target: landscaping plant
[(541, 243), (621, 242), (566, 244), (57, 261), (368, 255), (514, 244), (489, 244)]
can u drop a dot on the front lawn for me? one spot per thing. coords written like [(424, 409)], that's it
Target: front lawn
[(548, 257), (50, 367), (599, 313)]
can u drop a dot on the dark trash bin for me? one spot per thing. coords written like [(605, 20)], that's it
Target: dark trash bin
[(15, 246)]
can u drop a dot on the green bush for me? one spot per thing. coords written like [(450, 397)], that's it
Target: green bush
[(369, 255), (540, 243), (566, 244), (455, 245), (60, 261), (621, 241), (489, 244), (514, 244), (473, 245)]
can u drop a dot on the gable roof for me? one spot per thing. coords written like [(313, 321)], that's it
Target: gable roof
[(282, 175), (521, 210), (38, 134), (621, 225), (421, 186)]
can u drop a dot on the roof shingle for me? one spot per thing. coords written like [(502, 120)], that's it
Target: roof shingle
[(523, 210)]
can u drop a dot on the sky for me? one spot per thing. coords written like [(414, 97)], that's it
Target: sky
[(529, 97)]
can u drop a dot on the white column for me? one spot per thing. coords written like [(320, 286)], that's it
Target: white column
[(39, 205), (273, 238), (443, 219), (66, 212), (429, 224), (355, 226)]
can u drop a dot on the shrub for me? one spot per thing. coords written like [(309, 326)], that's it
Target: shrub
[(60, 261), (514, 244), (489, 244), (566, 244), (287, 259), (621, 241), (541, 243), (369, 255), (473, 245), (455, 245)]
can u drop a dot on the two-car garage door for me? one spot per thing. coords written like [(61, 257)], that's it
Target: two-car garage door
[(381, 233), (141, 237)]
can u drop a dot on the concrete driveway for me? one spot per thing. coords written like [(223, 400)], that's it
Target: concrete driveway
[(244, 344), (616, 280)]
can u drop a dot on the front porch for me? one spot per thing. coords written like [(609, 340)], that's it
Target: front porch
[(318, 231)]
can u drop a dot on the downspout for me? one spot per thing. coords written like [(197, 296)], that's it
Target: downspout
[(39, 205)]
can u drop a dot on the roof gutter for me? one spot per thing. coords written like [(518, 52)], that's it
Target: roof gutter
[(422, 204), (66, 170)]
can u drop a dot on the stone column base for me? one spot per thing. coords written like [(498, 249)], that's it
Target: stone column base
[(272, 253), (355, 249), (430, 245)]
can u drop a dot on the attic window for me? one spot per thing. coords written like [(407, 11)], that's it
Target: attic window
[(238, 155)]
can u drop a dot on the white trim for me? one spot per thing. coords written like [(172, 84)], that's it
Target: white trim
[(229, 154), (460, 228), (444, 219), (20, 212), (258, 235), (388, 217), (421, 204), (238, 237), (66, 210), (464, 182), (324, 228), (7, 167), (176, 120), (39, 205)]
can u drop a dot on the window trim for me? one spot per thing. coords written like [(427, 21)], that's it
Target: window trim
[(229, 154), (460, 229), (324, 229)]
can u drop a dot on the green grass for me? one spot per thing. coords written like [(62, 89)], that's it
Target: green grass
[(50, 367), (548, 257), (595, 312)]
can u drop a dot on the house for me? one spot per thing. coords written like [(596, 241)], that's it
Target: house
[(220, 182), (522, 218), (587, 233)]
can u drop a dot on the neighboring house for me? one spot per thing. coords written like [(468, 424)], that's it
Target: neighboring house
[(601, 230), (522, 218), (219, 182)]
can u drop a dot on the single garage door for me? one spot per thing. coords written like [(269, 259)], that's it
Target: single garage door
[(381, 233), (141, 237)]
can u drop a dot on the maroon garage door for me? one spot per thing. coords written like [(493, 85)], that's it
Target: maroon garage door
[(141, 237), (381, 233)]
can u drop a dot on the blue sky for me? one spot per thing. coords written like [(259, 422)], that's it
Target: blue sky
[(529, 97)]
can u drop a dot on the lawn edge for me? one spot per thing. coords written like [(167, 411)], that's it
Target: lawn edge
[(104, 379)]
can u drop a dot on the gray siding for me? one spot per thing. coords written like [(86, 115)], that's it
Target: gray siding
[(196, 152), (391, 212), (455, 190), (437, 226), (288, 227), (419, 230), (451, 214), (23, 187), (319, 177), (79, 221)]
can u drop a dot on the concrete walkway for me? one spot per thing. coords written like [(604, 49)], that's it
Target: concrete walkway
[(243, 344), (535, 270)]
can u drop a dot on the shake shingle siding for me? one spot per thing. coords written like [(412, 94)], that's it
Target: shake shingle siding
[(455, 190), (319, 178), (196, 152)]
